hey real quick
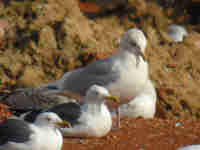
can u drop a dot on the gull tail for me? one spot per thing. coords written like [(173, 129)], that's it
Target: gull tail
[(27, 114)]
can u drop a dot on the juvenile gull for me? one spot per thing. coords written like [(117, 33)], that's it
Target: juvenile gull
[(177, 32), (190, 147), (34, 98), (123, 74), (43, 134), (143, 105), (90, 119)]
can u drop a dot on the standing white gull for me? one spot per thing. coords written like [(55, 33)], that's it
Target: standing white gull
[(90, 119), (123, 74), (43, 134)]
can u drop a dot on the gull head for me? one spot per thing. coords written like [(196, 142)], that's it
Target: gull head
[(98, 93), (177, 32), (50, 119), (133, 40)]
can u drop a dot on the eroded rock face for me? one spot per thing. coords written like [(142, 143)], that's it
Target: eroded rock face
[(4, 25), (32, 76), (47, 38)]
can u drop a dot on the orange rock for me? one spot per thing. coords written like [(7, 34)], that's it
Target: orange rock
[(4, 113), (89, 7), (4, 24), (171, 65), (193, 39)]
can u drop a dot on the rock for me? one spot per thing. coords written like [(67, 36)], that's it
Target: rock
[(32, 76), (100, 6), (47, 39), (5, 114), (193, 39), (2, 33), (3, 27)]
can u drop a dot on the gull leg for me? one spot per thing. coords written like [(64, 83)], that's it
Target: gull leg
[(118, 118), (116, 114)]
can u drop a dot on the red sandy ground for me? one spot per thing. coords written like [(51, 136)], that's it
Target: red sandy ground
[(137, 134), (141, 134)]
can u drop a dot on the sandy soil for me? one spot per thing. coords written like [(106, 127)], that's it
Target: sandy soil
[(140, 134), (40, 40), (137, 134)]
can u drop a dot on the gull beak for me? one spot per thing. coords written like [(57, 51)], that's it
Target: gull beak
[(113, 98), (64, 124)]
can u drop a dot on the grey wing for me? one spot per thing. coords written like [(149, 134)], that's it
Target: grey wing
[(68, 111), (100, 72), (22, 113), (32, 115), (34, 98), (19, 98), (14, 130), (55, 86)]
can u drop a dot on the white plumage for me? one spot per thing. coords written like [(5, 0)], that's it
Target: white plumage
[(43, 134), (177, 32), (143, 105), (123, 74), (190, 147), (95, 119)]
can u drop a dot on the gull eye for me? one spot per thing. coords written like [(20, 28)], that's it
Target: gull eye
[(48, 119), (133, 43), (96, 93)]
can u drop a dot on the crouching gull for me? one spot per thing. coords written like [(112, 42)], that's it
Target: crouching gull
[(177, 32), (42, 135), (35, 98), (89, 119), (124, 74), (143, 105), (190, 147)]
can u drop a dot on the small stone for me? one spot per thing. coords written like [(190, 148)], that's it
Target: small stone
[(3, 26), (193, 39), (32, 76), (47, 38)]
